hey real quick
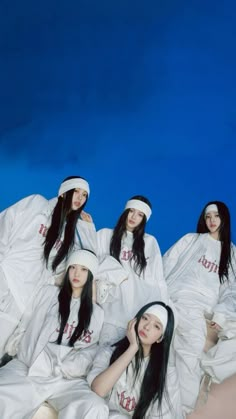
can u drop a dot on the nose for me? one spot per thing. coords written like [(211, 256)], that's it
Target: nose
[(77, 272), (147, 326), (133, 215)]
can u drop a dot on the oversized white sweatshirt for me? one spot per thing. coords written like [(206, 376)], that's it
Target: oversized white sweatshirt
[(127, 292), (191, 270), (38, 331), (125, 394)]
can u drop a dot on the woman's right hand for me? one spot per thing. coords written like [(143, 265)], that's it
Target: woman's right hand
[(131, 333)]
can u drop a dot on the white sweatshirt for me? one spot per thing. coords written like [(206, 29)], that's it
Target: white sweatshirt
[(127, 291), (125, 393), (38, 331), (191, 270)]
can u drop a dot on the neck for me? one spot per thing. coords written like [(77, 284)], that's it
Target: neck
[(146, 350), (215, 235), (76, 293)]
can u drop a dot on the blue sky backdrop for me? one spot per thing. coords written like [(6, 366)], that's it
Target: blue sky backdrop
[(136, 96)]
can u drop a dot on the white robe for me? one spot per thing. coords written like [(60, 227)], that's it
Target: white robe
[(191, 271), (44, 370), (120, 291), (22, 267), (124, 395)]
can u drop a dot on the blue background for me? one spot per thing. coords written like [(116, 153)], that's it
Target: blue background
[(136, 96)]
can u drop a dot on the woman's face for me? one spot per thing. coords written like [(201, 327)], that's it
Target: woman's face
[(78, 198), (150, 329), (78, 275), (213, 223), (134, 219)]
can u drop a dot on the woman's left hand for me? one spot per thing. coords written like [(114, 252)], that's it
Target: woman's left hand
[(131, 333), (86, 217)]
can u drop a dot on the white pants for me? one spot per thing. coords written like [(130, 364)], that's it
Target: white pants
[(189, 342), (22, 395)]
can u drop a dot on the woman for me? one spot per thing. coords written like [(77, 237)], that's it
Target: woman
[(130, 272), (135, 375), (200, 271), (57, 345), (37, 236)]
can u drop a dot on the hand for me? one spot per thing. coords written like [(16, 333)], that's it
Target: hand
[(131, 334), (215, 326), (86, 217), (94, 291)]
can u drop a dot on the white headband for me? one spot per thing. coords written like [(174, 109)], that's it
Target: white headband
[(139, 205), (212, 207), (84, 258), (160, 312), (73, 184)]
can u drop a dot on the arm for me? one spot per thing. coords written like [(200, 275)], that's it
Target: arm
[(105, 381), (172, 258), (155, 266), (46, 293), (86, 237)]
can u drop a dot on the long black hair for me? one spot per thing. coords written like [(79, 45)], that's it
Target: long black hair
[(138, 257), (224, 236), (154, 380), (85, 310), (62, 216)]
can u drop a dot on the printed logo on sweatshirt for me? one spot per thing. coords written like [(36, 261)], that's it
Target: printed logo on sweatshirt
[(126, 255), (43, 231), (207, 264), (86, 337), (127, 403)]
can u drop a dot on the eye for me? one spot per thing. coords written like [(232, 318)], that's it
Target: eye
[(84, 269), (157, 326), (85, 194), (144, 317), (72, 267)]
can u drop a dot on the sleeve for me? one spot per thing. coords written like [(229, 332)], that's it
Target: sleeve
[(156, 269), (7, 218), (86, 237), (14, 340), (172, 256), (110, 274), (100, 363), (77, 362), (225, 310), (103, 242)]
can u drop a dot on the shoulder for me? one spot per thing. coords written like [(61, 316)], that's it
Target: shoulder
[(104, 232)]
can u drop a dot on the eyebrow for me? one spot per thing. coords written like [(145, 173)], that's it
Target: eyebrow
[(156, 321)]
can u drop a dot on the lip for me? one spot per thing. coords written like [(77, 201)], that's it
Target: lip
[(75, 280), (142, 333)]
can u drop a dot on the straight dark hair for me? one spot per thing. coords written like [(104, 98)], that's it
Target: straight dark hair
[(224, 237), (153, 385), (62, 216), (138, 246), (85, 310)]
